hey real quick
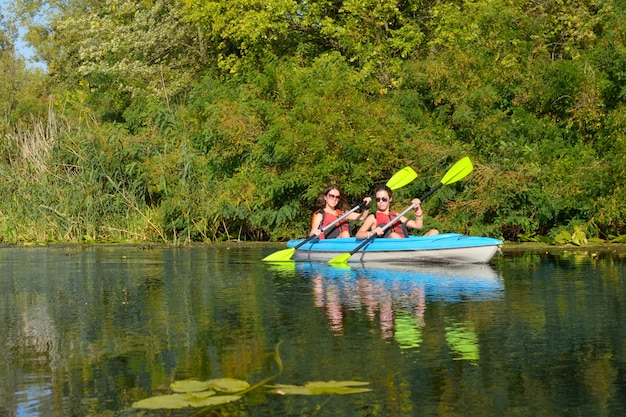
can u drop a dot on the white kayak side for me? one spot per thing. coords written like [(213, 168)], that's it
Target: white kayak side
[(442, 248)]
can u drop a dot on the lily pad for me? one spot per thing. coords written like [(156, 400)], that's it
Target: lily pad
[(172, 401), (190, 385), (321, 388), (228, 384), (215, 400), (178, 401)]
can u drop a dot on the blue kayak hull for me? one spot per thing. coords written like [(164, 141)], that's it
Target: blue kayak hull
[(442, 248)]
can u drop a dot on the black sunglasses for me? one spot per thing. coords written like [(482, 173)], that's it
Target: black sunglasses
[(383, 199)]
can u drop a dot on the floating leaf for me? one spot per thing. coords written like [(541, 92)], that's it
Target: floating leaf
[(177, 401), (321, 388), (172, 401), (228, 384), (190, 385), (219, 384), (216, 400)]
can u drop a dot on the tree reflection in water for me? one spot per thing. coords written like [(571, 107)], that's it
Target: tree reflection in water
[(90, 331)]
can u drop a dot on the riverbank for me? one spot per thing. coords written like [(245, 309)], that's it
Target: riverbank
[(616, 248)]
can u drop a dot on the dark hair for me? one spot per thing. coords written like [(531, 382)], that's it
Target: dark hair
[(383, 188), (321, 203)]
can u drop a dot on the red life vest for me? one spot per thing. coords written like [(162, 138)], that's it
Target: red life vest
[(329, 218), (398, 227)]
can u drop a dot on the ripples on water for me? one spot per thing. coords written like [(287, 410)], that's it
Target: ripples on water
[(89, 331)]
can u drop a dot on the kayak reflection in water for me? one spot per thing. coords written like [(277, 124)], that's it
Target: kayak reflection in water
[(378, 301)]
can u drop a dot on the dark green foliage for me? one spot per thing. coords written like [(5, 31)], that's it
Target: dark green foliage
[(240, 145)]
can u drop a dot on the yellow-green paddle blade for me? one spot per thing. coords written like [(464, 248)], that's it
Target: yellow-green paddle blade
[(341, 259), (401, 178), (458, 171), (280, 256)]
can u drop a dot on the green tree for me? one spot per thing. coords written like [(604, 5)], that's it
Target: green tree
[(117, 49), (8, 68), (373, 36)]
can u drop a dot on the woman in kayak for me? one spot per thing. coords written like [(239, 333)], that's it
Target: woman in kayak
[(375, 222), (331, 205)]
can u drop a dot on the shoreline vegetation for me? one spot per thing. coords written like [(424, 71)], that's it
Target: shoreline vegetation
[(207, 121)]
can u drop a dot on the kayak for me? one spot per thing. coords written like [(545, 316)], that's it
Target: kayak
[(442, 248)]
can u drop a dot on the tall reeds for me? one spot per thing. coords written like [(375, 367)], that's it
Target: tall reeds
[(67, 185)]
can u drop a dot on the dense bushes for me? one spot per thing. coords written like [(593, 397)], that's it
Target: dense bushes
[(239, 145)]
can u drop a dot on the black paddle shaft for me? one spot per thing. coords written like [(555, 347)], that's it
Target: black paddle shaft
[(392, 222), (327, 228)]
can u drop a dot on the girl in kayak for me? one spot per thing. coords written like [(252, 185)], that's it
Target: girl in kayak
[(331, 206), (375, 222)]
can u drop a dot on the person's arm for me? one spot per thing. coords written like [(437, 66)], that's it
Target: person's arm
[(366, 228), (362, 215), (418, 223), (315, 225)]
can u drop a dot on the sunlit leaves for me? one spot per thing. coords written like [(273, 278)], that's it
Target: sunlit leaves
[(8, 67), (577, 237), (243, 31), (133, 45), (374, 36), (367, 31)]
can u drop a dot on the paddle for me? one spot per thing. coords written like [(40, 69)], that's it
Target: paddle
[(457, 172), (399, 179)]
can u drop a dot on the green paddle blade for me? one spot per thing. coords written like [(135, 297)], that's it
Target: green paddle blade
[(341, 259), (280, 256), (402, 178), (458, 171)]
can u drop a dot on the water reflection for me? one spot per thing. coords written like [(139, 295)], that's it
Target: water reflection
[(89, 331), (86, 330), (396, 298), (37, 339)]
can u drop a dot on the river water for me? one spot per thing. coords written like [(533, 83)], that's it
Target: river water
[(89, 331)]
